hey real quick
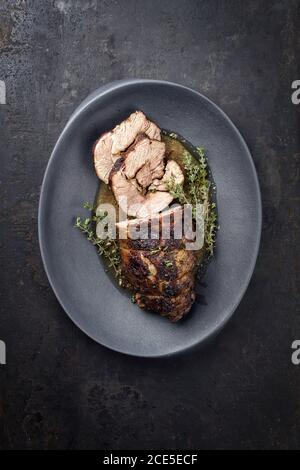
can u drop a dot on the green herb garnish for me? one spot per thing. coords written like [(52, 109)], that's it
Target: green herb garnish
[(107, 247), (89, 206), (168, 263), (197, 190)]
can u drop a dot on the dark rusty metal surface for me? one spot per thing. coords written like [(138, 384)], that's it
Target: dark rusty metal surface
[(59, 389)]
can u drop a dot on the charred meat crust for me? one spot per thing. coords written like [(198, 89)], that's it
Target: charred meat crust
[(171, 308), (161, 270), (152, 245), (164, 280)]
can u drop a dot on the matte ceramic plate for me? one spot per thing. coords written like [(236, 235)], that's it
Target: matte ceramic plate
[(77, 276)]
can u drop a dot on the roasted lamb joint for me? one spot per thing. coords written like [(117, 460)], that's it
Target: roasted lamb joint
[(162, 271), (161, 268)]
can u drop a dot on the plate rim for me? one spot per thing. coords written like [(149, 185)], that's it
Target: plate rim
[(91, 98)]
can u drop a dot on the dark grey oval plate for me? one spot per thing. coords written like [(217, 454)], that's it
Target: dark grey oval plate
[(75, 273)]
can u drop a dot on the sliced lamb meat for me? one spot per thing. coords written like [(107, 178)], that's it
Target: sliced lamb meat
[(144, 225), (144, 176), (172, 170), (153, 203), (108, 148), (153, 132), (128, 197), (125, 133), (103, 158), (144, 151), (125, 191), (158, 171)]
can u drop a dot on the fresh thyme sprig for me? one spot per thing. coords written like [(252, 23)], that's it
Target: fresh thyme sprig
[(211, 228), (107, 247), (89, 206), (197, 190), (176, 190)]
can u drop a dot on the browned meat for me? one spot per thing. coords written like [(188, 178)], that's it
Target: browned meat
[(172, 170), (130, 199), (144, 176), (174, 308), (157, 224), (152, 131), (103, 158), (161, 271), (125, 133), (125, 191), (111, 144), (154, 203), (158, 171), (144, 151), (155, 259)]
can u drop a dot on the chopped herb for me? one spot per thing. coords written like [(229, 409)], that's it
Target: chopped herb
[(168, 263)]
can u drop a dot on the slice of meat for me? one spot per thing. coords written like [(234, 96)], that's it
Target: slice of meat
[(173, 212), (108, 148), (125, 191), (153, 131), (172, 170), (128, 197), (125, 133), (158, 171), (144, 151), (103, 158), (144, 176), (153, 203), (149, 233)]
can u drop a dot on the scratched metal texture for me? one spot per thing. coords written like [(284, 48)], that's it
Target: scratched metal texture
[(61, 390)]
